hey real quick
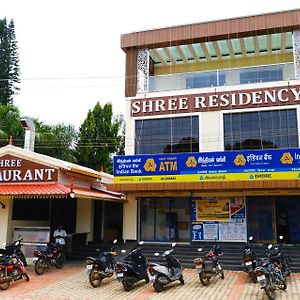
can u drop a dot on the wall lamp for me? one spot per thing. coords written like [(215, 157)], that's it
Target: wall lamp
[(2, 205)]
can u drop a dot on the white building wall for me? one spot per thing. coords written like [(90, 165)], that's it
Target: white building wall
[(5, 216)]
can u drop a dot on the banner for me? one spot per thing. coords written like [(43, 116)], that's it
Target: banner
[(209, 166), (228, 226)]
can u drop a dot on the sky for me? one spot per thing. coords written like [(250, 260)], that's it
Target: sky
[(69, 50)]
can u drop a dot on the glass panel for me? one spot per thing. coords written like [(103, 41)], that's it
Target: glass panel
[(262, 43), (161, 218), (261, 130), (276, 41), (147, 214), (199, 51), (223, 47), (175, 54), (211, 49), (249, 44)]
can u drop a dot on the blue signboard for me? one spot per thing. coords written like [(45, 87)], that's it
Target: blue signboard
[(209, 166)]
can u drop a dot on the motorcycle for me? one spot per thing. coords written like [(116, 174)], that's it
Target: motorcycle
[(11, 269), (133, 268), (44, 260), (161, 275), (15, 247), (269, 277), (101, 267), (277, 256), (208, 266), (249, 260)]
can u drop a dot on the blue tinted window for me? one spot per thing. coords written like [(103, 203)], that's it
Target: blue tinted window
[(264, 74), (170, 135)]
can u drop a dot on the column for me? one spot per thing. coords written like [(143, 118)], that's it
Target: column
[(296, 51), (143, 61)]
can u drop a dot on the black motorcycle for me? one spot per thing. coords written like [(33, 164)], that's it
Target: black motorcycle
[(15, 247), (269, 277), (249, 260), (208, 266), (277, 256), (52, 256), (101, 267), (133, 268)]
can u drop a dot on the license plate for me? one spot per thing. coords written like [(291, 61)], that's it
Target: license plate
[(88, 268), (261, 277), (199, 269), (248, 263), (119, 275)]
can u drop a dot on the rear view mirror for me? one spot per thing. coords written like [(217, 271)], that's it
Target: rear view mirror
[(141, 242), (156, 254), (270, 246), (115, 241), (281, 237), (251, 238), (173, 244), (98, 250), (123, 251), (199, 249)]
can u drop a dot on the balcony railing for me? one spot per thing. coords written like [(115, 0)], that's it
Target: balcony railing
[(236, 76)]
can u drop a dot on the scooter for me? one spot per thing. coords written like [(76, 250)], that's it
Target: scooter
[(161, 275), (101, 267), (133, 269), (208, 266), (11, 269), (249, 260)]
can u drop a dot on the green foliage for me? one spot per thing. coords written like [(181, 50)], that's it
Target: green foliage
[(9, 62), (10, 125), (99, 138), (56, 140)]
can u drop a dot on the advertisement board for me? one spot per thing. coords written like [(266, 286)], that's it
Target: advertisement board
[(230, 226), (252, 165)]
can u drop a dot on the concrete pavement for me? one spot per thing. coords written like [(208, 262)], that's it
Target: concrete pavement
[(71, 282)]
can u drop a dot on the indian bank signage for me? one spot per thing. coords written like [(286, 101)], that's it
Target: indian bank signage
[(18, 170), (253, 98)]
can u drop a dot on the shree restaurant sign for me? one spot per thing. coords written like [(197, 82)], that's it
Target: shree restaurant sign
[(275, 96), (17, 170)]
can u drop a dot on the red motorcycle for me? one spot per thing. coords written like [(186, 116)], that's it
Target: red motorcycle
[(11, 269)]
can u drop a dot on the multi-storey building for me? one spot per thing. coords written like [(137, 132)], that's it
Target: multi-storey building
[(206, 93)]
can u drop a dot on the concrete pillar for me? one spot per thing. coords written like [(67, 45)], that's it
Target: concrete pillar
[(85, 217), (5, 216), (130, 218)]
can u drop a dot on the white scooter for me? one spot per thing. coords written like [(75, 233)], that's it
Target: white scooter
[(162, 275)]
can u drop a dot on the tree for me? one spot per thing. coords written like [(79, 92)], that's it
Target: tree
[(56, 140), (99, 138), (10, 125), (9, 62)]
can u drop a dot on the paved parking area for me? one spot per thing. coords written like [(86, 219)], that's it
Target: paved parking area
[(71, 282)]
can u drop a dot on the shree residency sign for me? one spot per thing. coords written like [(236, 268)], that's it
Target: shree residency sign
[(275, 96), (17, 170)]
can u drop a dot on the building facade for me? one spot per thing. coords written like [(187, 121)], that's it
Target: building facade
[(38, 192), (207, 93)]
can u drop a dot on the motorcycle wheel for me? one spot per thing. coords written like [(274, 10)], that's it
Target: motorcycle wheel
[(60, 262), (39, 266), (4, 286), (283, 285), (270, 292), (127, 285), (95, 278), (205, 280), (158, 287), (181, 279), (26, 277), (253, 277)]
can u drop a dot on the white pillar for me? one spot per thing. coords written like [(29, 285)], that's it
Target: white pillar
[(5, 215), (84, 217), (130, 218), (143, 63)]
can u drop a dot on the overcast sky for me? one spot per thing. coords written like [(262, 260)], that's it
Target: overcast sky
[(70, 55)]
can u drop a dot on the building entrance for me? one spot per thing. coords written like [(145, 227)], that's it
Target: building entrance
[(270, 217), (165, 219)]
